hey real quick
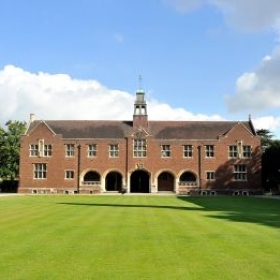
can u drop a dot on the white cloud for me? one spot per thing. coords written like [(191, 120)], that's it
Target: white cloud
[(245, 14), (257, 90), (260, 89), (58, 96), (269, 122), (250, 14), (163, 111)]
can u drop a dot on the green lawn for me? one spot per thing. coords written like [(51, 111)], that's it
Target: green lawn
[(139, 237)]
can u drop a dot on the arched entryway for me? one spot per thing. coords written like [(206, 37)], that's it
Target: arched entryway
[(140, 182), (165, 182), (188, 178), (113, 181), (92, 178)]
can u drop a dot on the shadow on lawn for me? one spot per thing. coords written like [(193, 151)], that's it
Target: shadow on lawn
[(133, 206), (240, 209)]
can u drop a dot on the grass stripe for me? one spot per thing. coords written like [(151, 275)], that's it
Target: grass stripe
[(139, 237)]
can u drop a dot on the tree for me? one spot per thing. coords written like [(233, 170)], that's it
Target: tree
[(270, 160), (266, 138), (9, 149)]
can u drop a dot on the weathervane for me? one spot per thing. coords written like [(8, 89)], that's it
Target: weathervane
[(140, 82)]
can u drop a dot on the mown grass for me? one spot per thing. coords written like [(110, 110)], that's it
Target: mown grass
[(139, 237)]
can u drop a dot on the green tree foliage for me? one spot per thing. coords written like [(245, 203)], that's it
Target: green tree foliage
[(9, 149), (270, 161), (266, 138)]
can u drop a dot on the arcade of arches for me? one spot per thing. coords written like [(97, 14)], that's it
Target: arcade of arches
[(139, 181)]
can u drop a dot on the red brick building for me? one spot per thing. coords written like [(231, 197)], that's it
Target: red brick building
[(140, 156)]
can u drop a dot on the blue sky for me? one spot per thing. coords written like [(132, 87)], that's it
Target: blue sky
[(199, 59)]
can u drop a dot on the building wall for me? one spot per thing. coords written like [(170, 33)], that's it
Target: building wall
[(126, 164)]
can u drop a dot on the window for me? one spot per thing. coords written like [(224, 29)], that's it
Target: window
[(139, 148), (232, 150), (40, 149), (47, 150), (210, 175), (240, 172), (165, 151), (33, 150), (69, 150), (246, 151), (40, 170), (188, 151), (113, 151), (209, 149), (92, 150), (240, 151), (69, 174)]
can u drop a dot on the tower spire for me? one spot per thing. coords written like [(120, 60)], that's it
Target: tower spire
[(140, 117), (140, 81)]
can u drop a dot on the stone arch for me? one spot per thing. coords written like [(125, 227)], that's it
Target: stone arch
[(188, 177), (113, 181), (140, 181), (166, 181), (91, 177)]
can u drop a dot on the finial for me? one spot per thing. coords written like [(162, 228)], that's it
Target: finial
[(140, 82)]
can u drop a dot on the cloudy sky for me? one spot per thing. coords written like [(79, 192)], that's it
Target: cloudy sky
[(199, 59)]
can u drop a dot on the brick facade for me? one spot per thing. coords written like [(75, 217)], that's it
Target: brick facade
[(184, 157)]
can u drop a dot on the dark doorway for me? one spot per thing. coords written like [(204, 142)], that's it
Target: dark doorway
[(113, 182), (165, 182), (187, 177), (140, 182), (91, 176)]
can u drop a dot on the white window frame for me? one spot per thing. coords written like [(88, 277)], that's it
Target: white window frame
[(39, 171), (188, 151), (47, 150), (232, 151), (209, 151), (165, 151), (33, 150), (113, 150), (240, 172), (210, 175), (91, 150), (69, 150), (69, 174), (246, 151), (139, 148)]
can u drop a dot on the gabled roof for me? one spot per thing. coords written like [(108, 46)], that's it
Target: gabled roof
[(190, 129), (89, 129), (158, 129), (33, 125)]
